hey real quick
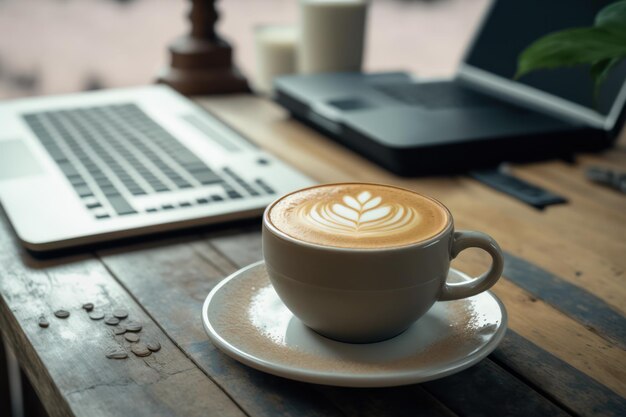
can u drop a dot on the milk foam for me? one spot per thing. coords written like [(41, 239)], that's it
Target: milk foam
[(358, 215), (363, 214)]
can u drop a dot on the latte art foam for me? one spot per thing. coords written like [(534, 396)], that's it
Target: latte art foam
[(361, 215), (358, 215)]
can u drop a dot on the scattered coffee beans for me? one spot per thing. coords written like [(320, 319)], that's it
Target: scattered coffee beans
[(116, 353), (153, 345), (132, 326), (120, 313), (43, 322), (62, 314), (118, 330), (112, 321), (131, 337), (96, 315), (141, 350)]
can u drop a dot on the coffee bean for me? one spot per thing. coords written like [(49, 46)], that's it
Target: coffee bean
[(96, 315), (120, 314), (119, 330), (43, 322), (62, 314), (141, 350), (153, 345), (112, 321), (132, 326), (88, 307), (131, 337), (116, 353)]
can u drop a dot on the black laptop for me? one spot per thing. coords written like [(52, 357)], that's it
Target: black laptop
[(481, 117)]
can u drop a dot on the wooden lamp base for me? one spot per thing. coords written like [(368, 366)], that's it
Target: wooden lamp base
[(201, 61)]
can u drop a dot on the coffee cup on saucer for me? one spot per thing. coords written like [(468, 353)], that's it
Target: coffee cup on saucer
[(360, 262)]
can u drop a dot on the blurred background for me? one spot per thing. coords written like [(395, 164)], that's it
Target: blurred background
[(61, 46)]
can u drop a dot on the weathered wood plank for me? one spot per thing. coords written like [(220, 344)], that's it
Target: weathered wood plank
[(564, 383), (570, 180), (241, 249), (547, 327), (488, 390), (33, 406), (407, 402), (66, 362), (572, 300), (573, 259), (5, 398), (563, 227), (611, 159), (171, 281)]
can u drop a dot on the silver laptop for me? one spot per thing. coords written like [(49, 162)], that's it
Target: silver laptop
[(98, 166)]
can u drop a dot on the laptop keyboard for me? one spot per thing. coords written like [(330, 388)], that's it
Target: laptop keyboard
[(112, 154), (435, 95)]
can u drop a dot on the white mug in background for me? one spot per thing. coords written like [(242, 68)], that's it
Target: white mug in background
[(276, 54), (332, 35)]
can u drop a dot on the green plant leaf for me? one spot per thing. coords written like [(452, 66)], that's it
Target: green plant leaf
[(601, 69), (599, 72), (569, 48), (612, 18), (602, 47)]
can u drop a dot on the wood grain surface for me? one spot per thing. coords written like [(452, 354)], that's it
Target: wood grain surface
[(66, 362), (562, 286)]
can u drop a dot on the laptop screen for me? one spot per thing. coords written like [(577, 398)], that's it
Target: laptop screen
[(512, 25)]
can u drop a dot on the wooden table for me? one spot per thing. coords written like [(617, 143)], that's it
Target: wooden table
[(563, 287)]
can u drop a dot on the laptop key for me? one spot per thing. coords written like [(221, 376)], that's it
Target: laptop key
[(76, 180), (109, 190), (57, 154), (206, 177), (264, 186), (234, 195), (68, 169), (83, 191), (120, 205)]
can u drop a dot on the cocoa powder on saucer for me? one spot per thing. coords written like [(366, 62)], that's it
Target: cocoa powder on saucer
[(237, 326)]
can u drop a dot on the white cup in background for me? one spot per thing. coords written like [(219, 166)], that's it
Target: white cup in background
[(276, 47), (332, 35)]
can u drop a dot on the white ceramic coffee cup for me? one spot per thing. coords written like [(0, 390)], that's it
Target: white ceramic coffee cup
[(367, 295)]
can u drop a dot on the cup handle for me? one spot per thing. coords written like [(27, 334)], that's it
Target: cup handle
[(469, 239)]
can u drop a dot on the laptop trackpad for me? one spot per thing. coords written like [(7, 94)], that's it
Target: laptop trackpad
[(16, 160)]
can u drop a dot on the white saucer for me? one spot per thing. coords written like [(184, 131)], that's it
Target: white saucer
[(244, 318)]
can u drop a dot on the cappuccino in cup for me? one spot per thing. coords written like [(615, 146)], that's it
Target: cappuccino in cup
[(361, 262), (362, 216)]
